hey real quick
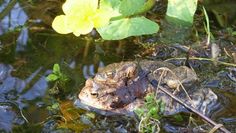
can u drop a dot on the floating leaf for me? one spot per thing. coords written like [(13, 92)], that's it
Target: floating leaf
[(120, 29)]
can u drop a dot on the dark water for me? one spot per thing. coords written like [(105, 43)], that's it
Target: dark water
[(28, 50)]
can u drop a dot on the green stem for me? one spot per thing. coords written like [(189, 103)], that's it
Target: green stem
[(205, 59), (207, 26), (147, 6)]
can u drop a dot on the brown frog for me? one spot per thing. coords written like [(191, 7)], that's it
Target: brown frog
[(120, 88)]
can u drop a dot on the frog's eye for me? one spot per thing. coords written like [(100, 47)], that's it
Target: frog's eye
[(94, 94), (94, 90)]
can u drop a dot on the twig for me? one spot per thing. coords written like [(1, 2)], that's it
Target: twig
[(179, 82), (7, 9), (191, 108), (204, 59), (7, 102)]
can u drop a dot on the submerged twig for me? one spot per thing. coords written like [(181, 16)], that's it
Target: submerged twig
[(52, 117), (20, 110), (7, 9), (216, 125)]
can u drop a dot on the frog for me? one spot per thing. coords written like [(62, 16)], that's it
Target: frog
[(120, 88)]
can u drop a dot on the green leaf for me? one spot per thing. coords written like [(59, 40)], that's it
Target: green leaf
[(149, 97), (139, 112), (111, 6), (178, 117), (52, 77), (234, 33), (183, 10), (115, 4), (123, 28), (90, 115), (131, 7), (55, 106), (147, 6), (56, 69), (153, 111)]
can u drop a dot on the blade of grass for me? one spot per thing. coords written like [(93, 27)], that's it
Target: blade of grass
[(207, 26)]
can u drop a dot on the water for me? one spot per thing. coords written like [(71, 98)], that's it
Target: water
[(28, 50)]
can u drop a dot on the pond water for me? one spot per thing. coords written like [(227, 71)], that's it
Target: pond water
[(29, 48)]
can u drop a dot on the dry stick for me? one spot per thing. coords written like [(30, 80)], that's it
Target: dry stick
[(167, 69), (192, 109), (13, 103)]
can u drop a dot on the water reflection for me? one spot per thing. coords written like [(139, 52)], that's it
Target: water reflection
[(22, 40), (10, 88), (14, 19), (90, 70), (6, 118)]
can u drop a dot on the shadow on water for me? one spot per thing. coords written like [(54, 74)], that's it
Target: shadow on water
[(28, 50)]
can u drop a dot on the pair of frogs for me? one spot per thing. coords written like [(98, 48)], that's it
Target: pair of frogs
[(120, 88)]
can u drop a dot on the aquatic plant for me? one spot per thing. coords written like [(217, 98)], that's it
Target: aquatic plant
[(113, 19), (118, 19), (56, 74), (59, 81), (150, 114)]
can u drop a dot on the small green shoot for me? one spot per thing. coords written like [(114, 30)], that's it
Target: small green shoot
[(150, 114), (54, 108), (59, 80), (56, 74), (231, 31)]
